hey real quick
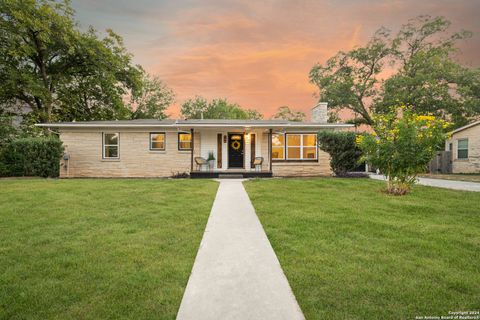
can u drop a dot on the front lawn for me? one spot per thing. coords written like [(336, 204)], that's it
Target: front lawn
[(98, 249), (351, 252)]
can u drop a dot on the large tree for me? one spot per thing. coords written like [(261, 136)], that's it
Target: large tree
[(285, 113), (199, 107), (50, 70), (152, 99), (416, 67)]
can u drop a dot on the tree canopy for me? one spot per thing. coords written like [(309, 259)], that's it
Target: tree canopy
[(199, 107), (415, 67), (50, 70), (285, 113)]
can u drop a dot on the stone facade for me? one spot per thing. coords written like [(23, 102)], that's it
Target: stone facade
[(136, 160), (320, 112), (304, 169), (472, 164), (84, 147)]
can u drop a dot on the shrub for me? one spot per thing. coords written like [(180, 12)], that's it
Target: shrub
[(402, 146), (179, 175), (32, 157), (344, 153)]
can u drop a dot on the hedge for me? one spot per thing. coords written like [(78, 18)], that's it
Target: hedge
[(344, 153), (31, 157)]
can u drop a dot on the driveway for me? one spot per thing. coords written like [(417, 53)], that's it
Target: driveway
[(440, 183)]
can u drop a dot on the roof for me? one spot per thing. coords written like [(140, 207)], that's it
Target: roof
[(194, 123), (473, 124)]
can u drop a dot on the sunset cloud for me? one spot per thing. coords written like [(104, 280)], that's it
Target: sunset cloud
[(257, 53)]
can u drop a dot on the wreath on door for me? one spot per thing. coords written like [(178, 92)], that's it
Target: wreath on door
[(236, 145)]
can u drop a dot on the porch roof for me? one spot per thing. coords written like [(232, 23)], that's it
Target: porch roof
[(194, 123)]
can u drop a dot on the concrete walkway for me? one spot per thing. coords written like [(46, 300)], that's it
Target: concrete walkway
[(236, 274), (441, 183)]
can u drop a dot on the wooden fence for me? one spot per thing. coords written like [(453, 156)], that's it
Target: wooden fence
[(441, 163)]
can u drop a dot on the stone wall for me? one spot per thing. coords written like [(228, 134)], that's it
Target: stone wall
[(84, 147), (136, 160), (472, 164), (304, 169)]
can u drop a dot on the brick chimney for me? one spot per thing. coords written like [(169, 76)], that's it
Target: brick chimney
[(319, 112)]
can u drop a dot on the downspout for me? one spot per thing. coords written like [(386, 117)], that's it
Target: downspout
[(193, 147)]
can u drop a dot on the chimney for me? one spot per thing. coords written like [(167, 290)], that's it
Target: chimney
[(319, 112)]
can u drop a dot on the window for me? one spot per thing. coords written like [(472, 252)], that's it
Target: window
[(309, 146), (278, 146), (294, 146), (462, 149), (184, 141), (110, 145), (157, 141)]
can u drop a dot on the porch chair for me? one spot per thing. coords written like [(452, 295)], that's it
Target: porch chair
[(258, 163), (200, 162)]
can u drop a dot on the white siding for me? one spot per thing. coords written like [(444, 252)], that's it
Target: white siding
[(209, 143)]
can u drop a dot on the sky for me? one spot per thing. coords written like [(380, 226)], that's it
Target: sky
[(258, 53)]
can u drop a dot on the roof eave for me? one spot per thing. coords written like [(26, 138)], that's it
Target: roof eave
[(468, 126), (195, 125)]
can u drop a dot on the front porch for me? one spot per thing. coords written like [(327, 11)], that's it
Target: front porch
[(234, 151)]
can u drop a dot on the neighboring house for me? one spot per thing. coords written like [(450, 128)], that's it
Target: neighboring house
[(464, 146), (159, 148)]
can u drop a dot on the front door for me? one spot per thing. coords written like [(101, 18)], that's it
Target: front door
[(235, 150)]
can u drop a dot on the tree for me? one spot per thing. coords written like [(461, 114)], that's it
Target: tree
[(423, 71), (7, 129), (349, 79), (62, 74), (285, 113), (403, 146), (152, 100), (199, 108), (344, 153), (194, 108)]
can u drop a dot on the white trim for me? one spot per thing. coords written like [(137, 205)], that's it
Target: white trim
[(285, 146), (466, 127), (284, 153), (164, 141), (301, 146), (110, 145), (458, 148), (192, 125)]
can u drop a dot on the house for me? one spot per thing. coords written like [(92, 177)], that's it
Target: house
[(464, 146), (160, 148)]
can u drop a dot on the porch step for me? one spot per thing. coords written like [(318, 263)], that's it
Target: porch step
[(230, 176)]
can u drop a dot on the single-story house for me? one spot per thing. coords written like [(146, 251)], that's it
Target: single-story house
[(464, 146), (161, 148)]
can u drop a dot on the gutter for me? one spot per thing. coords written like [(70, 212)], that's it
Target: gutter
[(192, 125)]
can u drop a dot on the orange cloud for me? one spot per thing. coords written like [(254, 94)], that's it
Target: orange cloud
[(257, 53)]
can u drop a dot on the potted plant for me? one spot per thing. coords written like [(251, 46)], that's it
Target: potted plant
[(211, 160)]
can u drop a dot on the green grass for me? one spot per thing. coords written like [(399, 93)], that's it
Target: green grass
[(98, 249), (353, 252)]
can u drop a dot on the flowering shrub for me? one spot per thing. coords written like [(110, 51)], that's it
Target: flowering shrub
[(402, 146)]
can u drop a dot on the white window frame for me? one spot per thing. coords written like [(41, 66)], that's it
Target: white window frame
[(110, 145), (458, 148), (301, 147), (283, 146), (164, 141)]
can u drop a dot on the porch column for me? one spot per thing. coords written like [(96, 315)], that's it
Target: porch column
[(270, 148), (193, 147)]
